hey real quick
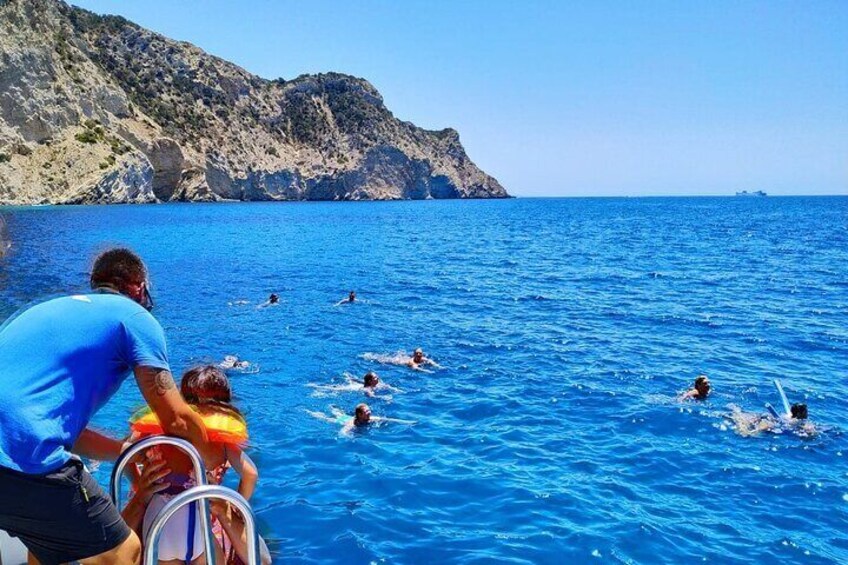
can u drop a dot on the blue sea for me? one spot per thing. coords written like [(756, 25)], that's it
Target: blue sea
[(566, 329)]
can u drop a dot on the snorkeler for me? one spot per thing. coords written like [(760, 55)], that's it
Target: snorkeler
[(361, 418), (418, 359), (700, 391), (752, 424), (370, 384)]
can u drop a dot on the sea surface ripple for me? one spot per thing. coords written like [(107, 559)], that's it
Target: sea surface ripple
[(566, 328)]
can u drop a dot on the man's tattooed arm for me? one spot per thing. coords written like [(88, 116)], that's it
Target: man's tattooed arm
[(161, 393), (153, 381)]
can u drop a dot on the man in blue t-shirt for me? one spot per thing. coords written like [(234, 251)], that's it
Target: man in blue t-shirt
[(60, 361)]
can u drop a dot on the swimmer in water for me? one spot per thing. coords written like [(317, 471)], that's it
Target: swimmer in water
[(700, 391), (273, 300), (361, 417), (418, 360), (370, 384), (749, 424), (351, 298), (799, 421), (233, 362)]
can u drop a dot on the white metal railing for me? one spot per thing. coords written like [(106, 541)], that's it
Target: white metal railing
[(203, 493), (199, 474)]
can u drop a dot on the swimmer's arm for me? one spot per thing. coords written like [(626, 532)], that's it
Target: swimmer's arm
[(432, 363), (347, 429), (351, 380), (394, 420), (95, 445), (177, 418), (246, 469), (321, 416)]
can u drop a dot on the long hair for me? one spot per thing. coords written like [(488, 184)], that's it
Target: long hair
[(207, 385)]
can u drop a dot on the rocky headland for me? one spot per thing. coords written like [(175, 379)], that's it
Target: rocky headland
[(95, 109)]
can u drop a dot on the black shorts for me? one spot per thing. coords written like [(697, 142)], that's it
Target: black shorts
[(60, 516)]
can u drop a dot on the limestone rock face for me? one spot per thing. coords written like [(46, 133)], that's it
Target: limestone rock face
[(95, 109)]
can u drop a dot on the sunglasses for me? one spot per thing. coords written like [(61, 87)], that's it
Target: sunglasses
[(148, 299)]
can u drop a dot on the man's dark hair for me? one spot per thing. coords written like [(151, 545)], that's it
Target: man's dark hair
[(370, 377), (116, 268), (799, 411)]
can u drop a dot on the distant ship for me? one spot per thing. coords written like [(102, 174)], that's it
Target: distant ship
[(755, 193)]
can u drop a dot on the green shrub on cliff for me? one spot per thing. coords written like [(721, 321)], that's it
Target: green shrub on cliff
[(86, 136)]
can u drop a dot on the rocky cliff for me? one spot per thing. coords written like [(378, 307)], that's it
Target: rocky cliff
[(95, 109)]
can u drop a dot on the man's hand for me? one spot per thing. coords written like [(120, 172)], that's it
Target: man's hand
[(177, 417)]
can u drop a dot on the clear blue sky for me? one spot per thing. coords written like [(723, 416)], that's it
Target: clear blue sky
[(572, 98)]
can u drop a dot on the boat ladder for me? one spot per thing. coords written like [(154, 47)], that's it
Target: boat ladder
[(198, 494)]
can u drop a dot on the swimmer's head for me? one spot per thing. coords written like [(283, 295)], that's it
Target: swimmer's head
[(273, 299), (702, 385), (417, 355), (206, 383), (362, 415), (799, 411), (371, 380), (351, 296)]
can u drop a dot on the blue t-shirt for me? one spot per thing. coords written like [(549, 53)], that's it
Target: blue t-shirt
[(60, 361)]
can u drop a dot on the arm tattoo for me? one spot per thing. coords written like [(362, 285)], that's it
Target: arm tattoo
[(164, 382)]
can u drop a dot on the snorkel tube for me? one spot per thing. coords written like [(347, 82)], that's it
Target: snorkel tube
[(772, 411), (783, 398)]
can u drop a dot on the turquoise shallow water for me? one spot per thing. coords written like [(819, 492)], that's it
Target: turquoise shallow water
[(566, 328)]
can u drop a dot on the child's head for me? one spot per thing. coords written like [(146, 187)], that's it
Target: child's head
[(206, 383)]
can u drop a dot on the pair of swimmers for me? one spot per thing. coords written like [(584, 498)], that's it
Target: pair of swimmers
[(754, 423), (362, 417), (369, 385)]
